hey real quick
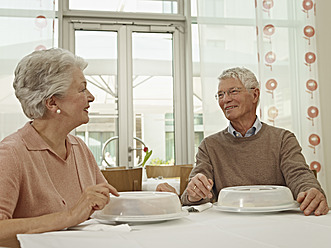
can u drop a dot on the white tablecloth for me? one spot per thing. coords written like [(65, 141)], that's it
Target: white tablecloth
[(210, 228), (151, 183)]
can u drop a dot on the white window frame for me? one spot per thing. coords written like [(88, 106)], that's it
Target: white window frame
[(70, 20)]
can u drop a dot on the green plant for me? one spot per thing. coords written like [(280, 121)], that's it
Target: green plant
[(158, 161), (147, 155)]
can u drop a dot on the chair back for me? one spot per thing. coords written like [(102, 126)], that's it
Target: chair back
[(116, 168), (124, 179), (165, 171), (185, 171)]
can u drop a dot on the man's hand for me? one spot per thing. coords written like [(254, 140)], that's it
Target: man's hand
[(165, 187), (199, 188), (313, 201)]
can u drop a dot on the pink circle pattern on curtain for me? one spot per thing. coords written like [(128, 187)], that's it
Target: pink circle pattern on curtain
[(40, 21), (314, 140), (315, 166), (311, 86), (312, 113), (309, 32), (267, 5), (271, 85), (302, 68), (272, 113), (270, 58), (40, 47), (310, 58), (268, 31), (307, 6)]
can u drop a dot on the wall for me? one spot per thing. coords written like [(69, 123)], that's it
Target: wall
[(323, 38)]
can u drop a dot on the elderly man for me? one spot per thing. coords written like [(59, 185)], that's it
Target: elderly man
[(249, 152)]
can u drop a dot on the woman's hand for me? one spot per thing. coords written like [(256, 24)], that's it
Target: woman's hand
[(199, 188), (93, 198), (165, 187)]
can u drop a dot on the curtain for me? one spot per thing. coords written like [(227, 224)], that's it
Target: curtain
[(276, 40), (25, 26), (288, 73)]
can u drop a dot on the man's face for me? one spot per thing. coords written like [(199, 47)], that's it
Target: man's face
[(241, 103)]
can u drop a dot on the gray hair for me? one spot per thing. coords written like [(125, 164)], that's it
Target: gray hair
[(245, 76), (43, 74)]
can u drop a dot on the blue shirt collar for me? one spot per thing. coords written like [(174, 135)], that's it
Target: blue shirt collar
[(252, 131)]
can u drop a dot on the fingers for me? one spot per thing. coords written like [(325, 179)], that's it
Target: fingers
[(99, 201), (165, 187), (112, 190), (93, 198), (313, 201), (301, 196), (199, 188)]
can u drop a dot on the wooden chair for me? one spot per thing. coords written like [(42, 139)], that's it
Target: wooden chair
[(124, 179), (185, 172), (164, 171), (167, 171), (116, 168)]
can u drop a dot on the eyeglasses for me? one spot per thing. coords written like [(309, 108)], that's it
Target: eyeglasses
[(231, 92)]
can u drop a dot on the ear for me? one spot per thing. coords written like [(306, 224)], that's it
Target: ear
[(51, 104), (256, 95)]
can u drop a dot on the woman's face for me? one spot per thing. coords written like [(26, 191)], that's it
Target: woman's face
[(74, 105)]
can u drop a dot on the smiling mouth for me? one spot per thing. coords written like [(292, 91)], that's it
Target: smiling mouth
[(231, 107)]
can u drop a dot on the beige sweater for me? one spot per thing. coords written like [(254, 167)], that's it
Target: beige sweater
[(271, 157)]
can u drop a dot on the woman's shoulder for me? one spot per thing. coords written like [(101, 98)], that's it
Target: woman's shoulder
[(13, 140)]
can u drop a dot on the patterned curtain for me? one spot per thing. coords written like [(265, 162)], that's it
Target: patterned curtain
[(288, 72), (25, 26)]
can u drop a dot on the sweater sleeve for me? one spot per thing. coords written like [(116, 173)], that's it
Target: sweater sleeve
[(204, 166), (9, 182), (296, 172)]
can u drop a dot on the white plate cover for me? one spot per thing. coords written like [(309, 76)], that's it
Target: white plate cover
[(292, 206), (137, 219)]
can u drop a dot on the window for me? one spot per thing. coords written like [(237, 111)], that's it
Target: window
[(146, 6)]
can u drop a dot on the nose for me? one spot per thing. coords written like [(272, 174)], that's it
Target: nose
[(90, 97), (227, 97)]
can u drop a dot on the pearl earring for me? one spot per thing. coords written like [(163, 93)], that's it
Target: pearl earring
[(58, 111)]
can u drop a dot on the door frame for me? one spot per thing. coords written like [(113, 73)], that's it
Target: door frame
[(183, 89)]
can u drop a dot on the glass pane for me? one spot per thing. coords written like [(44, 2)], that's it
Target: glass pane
[(194, 8), (226, 8), (149, 6), (222, 47), (25, 26), (99, 48), (153, 94), (24, 4), (197, 89)]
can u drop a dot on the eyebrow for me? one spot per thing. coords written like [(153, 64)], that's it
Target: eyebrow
[(228, 89)]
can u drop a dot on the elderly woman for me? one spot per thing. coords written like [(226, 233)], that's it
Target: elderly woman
[(49, 178)]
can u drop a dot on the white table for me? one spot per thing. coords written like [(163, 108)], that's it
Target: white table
[(210, 228), (151, 183)]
